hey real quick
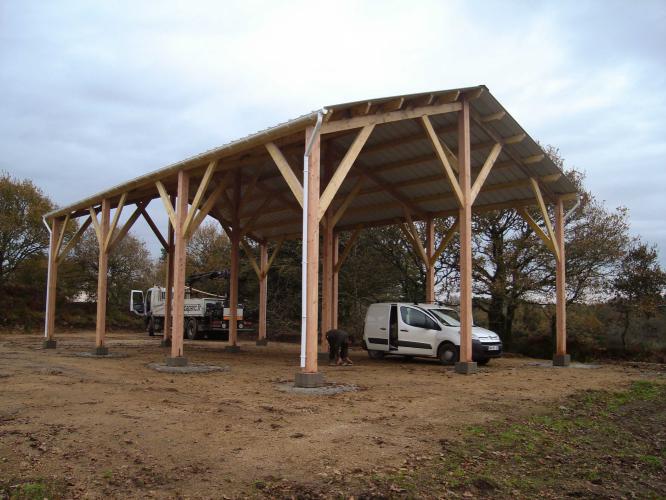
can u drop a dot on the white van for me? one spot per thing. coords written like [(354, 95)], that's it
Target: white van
[(431, 330)]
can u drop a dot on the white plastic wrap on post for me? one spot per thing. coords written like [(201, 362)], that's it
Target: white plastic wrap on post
[(48, 274), (304, 249)]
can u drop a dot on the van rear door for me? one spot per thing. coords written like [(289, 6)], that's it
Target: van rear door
[(376, 327)]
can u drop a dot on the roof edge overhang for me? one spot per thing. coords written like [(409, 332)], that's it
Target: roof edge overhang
[(229, 149)]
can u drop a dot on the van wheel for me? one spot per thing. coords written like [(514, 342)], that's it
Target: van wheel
[(192, 329), (447, 353), (375, 354)]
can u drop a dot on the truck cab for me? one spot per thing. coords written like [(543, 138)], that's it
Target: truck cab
[(429, 330)]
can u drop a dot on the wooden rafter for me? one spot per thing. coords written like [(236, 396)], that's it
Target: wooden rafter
[(167, 202), (443, 158), (260, 211), (485, 171), (404, 201), (342, 170), (286, 171), (493, 117), (408, 114)]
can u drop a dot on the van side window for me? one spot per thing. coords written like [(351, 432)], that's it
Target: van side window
[(414, 317)]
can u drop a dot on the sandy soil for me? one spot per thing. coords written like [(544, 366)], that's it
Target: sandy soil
[(114, 427)]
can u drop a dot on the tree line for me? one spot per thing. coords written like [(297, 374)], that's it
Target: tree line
[(615, 284)]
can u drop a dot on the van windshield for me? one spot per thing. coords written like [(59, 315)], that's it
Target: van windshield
[(447, 316)]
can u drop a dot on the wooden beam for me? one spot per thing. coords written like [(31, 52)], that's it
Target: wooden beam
[(167, 202), (286, 171), (102, 276), (124, 230), (258, 213), (404, 201), (116, 217), (348, 247), (409, 114), (485, 171), (393, 105), (72, 241), (205, 209), (533, 159), (51, 284), (342, 170), (493, 117), (465, 220), (560, 287), (448, 170), (448, 97), (544, 213), (536, 228), (154, 228), (340, 212), (61, 236), (179, 264), (445, 242), (95, 223), (417, 239), (269, 263), (198, 197), (250, 257), (263, 292)]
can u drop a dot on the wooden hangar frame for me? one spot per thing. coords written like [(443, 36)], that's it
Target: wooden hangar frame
[(351, 179)]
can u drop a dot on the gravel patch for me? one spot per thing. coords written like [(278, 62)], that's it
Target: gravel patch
[(101, 356), (325, 390), (190, 368)]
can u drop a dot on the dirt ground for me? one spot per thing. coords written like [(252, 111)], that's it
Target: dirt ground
[(114, 427)]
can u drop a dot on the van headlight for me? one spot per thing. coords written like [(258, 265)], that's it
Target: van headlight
[(240, 324)]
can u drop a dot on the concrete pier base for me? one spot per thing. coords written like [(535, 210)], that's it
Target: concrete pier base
[(232, 348), (466, 367), (177, 361), (101, 351), (309, 380), (562, 360), (49, 344)]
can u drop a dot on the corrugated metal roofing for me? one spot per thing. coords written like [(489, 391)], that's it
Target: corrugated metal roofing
[(398, 154)]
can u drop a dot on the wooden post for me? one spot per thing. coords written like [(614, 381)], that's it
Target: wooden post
[(179, 261), (235, 266), (102, 270), (51, 281), (263, 292), (334, 284), (168, 305), (465, 365), (430, 266), (561, 357), (312, 295), (327, 282)]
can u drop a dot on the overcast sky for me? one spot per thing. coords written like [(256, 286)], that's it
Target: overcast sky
[(96, 93)]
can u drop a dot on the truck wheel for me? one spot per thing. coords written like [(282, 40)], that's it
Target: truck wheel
[(151, 326), (375, 354), (192, 329), (447, 353)]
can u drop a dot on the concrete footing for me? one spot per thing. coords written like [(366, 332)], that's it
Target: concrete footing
[(262, 342), (561, 360), (309, 380), (165, 343), (49, 344), (177, 361), (101, 351), (232, 348), (466, 367)]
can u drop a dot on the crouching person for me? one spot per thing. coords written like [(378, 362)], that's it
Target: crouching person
[(338, 347)]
